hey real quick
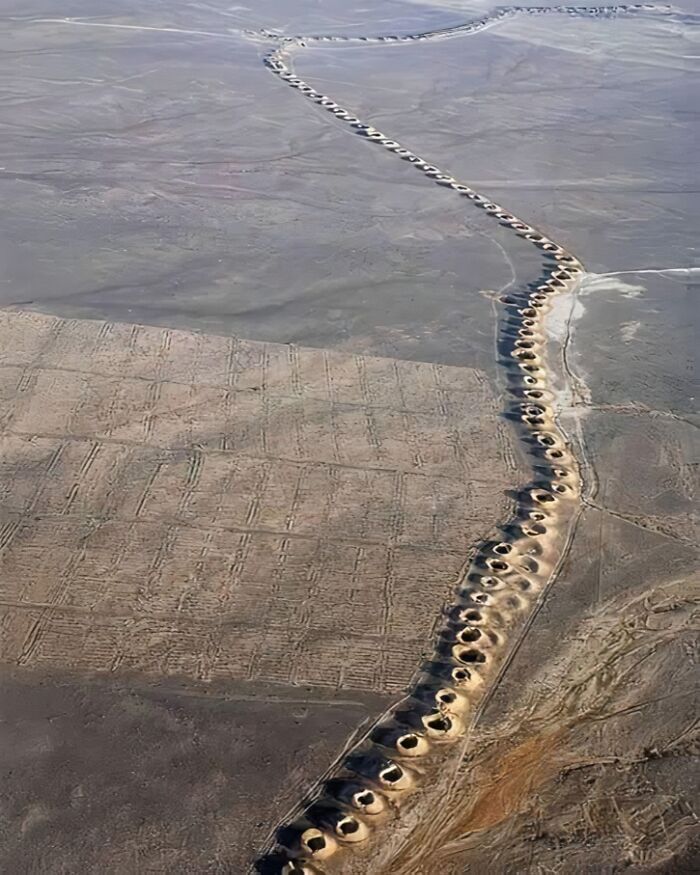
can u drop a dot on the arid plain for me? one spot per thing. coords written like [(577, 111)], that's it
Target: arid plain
[(256, 431)]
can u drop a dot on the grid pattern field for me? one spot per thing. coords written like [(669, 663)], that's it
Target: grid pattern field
[(197, 505)]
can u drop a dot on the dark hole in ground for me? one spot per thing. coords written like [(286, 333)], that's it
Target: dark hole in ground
[(348, 827), (470, 635), (440, 724), (471, 656), (392, 774), (317, 843)]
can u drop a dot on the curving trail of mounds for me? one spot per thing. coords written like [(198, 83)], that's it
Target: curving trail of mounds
[(468, 27), (505, 579)]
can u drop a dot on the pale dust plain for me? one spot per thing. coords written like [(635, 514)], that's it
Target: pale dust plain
[(130, 195)]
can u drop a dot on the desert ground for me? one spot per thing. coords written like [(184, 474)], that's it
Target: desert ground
[(267, 426)]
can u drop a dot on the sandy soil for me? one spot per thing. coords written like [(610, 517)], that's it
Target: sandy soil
[(222, 559), (177, 505)]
